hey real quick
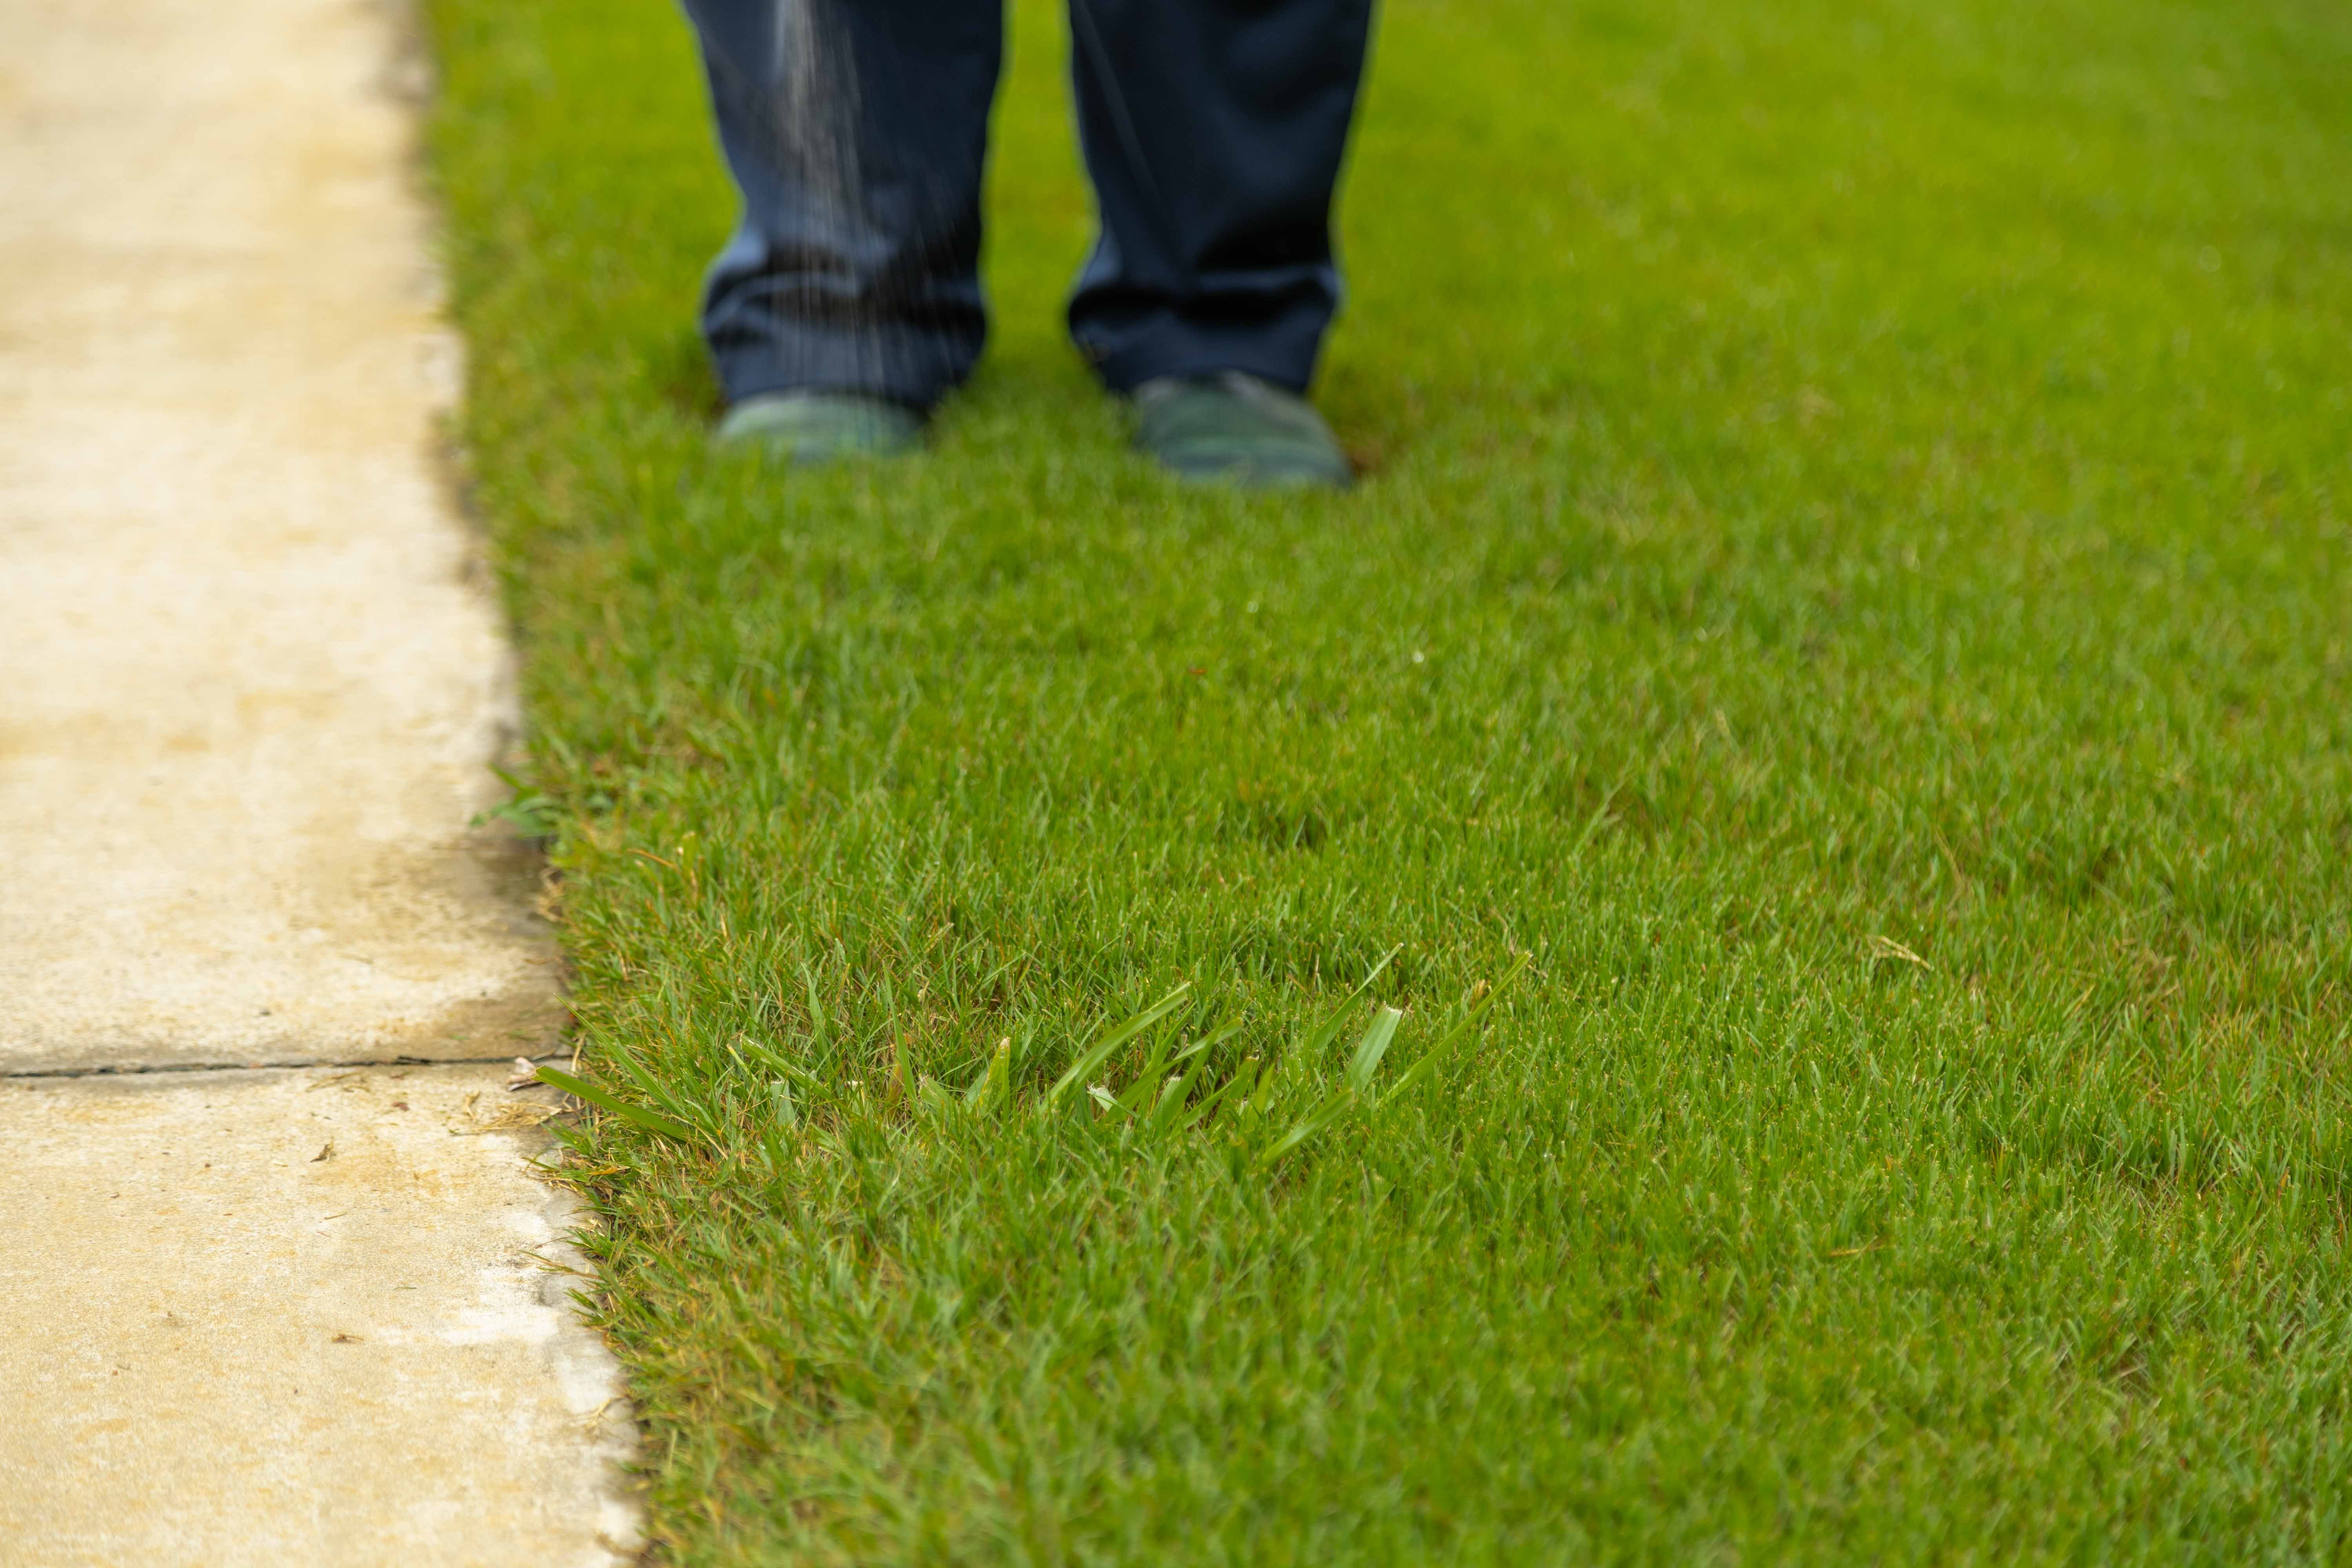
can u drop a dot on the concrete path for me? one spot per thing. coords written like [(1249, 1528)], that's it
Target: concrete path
[(250, 678), (293, 1317)]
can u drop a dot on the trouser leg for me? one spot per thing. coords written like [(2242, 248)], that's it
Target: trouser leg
[(1213, 131), (856, 131)]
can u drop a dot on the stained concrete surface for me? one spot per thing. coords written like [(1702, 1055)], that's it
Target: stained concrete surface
[(251, 676), (296, 1318), (251, 669)]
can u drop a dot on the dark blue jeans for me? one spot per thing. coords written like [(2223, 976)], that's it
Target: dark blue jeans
[(1212, 131)]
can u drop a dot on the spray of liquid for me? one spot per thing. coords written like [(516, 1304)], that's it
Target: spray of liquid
[(813, 88)]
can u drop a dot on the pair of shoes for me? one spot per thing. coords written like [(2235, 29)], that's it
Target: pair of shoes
[(1227, 427)]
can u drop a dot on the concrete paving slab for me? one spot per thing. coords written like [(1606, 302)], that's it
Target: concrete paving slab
[(296, 1318), (252, 670), (251, 674)]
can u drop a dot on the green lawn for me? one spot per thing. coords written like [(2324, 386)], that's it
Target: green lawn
[(1853, 579)]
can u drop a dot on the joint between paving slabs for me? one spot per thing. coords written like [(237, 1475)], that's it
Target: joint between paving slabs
[(136, 1069)]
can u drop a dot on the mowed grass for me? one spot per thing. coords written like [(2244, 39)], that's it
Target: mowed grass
[(1852, 579)]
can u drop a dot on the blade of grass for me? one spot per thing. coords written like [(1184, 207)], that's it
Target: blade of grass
[(1099, 1053), (1236, 1087), (994, 1086), (651, 1088), (1372, 1048), (636, 1114), (1330, 1111), (1167, 1114), (1436, 1053), (1324, 1033)]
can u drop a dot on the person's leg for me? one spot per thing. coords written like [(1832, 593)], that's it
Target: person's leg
[(1213, 131), (856, 129)]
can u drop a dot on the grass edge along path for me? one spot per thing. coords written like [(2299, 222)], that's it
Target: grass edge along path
[(1851, 582)]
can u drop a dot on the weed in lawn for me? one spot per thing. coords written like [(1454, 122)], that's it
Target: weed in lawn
[(1283, 1109), (531, 813)]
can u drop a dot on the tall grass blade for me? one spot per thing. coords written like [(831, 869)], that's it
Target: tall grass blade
[(1236, 1087), (993, 1087), (1099, 1053), (582, 1089), (1372, 1048), (650, 1087), (1324, 1033), (1168, 1116), (1330, 1111), (1470, 1016)]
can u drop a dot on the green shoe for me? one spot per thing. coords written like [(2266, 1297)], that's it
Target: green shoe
[(1234, 428), (820, 427)]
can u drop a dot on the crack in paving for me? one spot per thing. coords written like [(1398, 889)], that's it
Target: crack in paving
[(144, 1069)]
